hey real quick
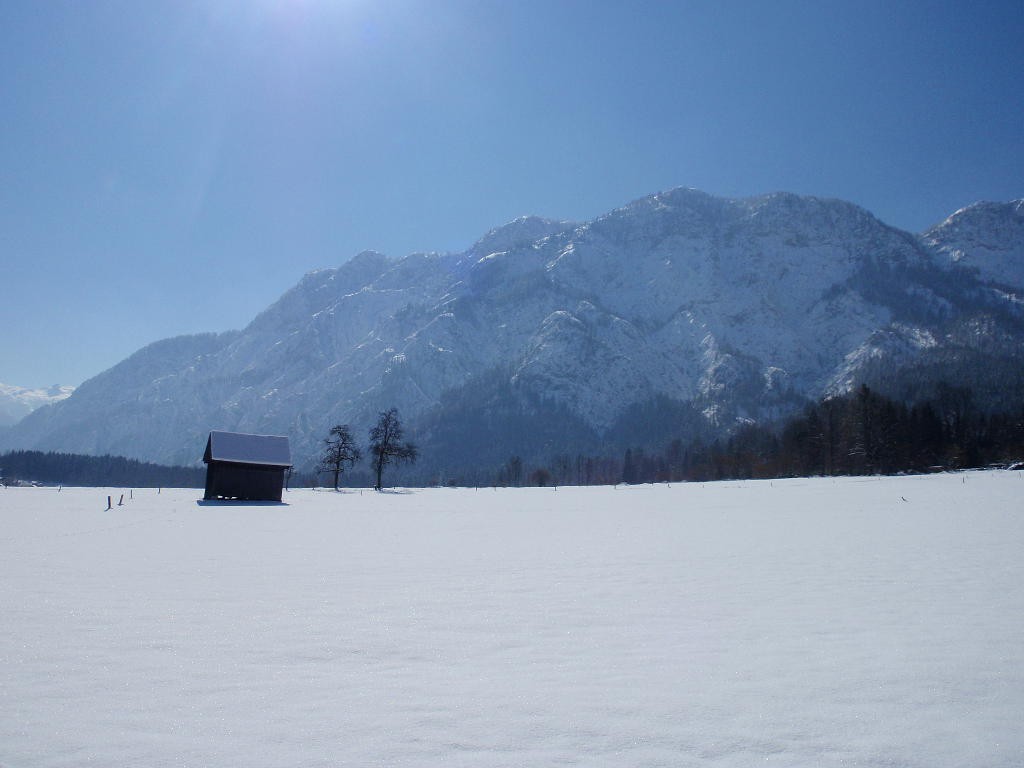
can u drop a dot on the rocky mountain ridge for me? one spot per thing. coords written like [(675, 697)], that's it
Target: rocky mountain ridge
[(740, 308)]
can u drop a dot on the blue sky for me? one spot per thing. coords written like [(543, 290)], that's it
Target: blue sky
[(173, 167)]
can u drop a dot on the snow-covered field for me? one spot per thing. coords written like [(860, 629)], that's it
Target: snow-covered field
[(864, 621)]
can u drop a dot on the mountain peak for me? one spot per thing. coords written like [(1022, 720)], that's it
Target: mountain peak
[(17, 402), (981, 213), (519, 232), (368, 256), (986, 237)]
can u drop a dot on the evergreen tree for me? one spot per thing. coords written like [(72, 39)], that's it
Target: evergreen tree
[(629, 471)]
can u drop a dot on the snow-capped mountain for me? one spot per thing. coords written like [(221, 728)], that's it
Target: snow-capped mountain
[(741, 308), (18, 402), (987, 238)]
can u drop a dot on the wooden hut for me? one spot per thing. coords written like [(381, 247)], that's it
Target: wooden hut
[(241, 466)]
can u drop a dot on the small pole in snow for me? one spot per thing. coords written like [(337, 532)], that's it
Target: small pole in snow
[(109, 505), (121, 501), (131, 494)]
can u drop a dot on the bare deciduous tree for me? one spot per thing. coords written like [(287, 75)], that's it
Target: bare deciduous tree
[(339, 449), (386, 443)]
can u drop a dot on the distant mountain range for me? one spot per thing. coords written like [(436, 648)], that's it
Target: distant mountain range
[(18, 402), (680, 313)]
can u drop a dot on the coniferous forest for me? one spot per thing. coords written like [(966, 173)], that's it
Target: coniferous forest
[(77, 470), (862, 433)]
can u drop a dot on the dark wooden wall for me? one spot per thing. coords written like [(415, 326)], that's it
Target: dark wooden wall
[(251, 482)]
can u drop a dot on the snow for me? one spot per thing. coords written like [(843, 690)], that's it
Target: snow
[(18, 402), (820, 622), (268, 450)]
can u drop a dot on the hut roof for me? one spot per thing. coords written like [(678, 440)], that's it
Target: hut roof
[(240, 448)]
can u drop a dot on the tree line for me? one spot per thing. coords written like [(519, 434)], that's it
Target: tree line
[(72, 469), (861, 433)]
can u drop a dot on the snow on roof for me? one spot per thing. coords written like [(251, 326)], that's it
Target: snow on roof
[(242, 448)]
